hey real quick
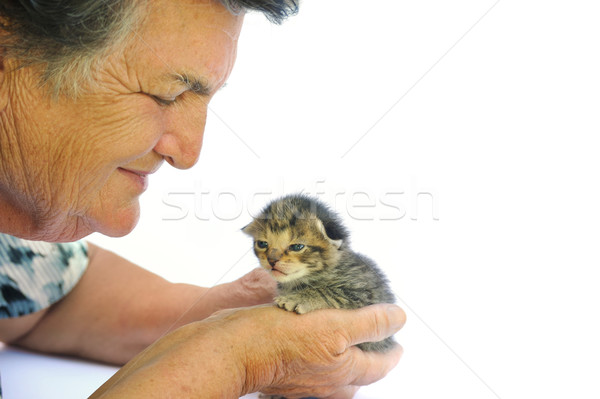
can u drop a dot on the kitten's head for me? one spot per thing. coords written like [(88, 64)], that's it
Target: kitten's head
[(296, 236)]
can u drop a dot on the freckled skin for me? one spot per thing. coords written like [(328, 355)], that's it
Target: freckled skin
[(59, 180), (61, 158)]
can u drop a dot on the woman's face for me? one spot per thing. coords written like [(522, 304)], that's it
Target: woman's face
[(78, 166)]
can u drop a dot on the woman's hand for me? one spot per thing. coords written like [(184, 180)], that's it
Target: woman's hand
[(235, 352), (255, 288), (313, 354)]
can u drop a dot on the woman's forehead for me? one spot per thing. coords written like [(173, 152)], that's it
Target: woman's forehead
[(182, 42)]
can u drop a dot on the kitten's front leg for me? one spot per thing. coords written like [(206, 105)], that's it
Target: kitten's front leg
[(300, 302)]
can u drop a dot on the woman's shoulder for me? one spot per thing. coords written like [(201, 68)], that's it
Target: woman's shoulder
[(35, 274)]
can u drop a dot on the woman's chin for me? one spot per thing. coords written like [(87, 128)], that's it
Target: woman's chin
[(118, 222)]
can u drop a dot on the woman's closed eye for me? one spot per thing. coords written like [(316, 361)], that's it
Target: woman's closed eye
[(164, 101)]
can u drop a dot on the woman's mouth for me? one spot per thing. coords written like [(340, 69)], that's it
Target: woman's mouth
[(139, 178)]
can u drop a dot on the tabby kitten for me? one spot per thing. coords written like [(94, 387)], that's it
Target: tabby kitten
[(305, 248)]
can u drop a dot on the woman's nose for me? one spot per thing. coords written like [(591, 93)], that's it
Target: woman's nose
[(181, 141)]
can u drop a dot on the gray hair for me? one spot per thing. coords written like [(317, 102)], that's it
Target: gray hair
[(275, 10), (68, 37)]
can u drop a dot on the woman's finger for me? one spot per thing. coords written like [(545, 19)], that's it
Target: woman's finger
[(369, 324), (344, 393), (370, 367)]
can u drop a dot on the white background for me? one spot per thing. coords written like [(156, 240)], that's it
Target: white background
[(488, 109)]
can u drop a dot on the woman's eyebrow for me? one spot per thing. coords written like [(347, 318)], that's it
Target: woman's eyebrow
[(194, 84)]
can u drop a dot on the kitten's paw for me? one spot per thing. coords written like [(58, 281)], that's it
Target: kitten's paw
[(291, 304), (302, 308), (285, 303)]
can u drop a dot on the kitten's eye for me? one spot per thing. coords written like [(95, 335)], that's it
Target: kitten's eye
[(296, 247), (262, 244)]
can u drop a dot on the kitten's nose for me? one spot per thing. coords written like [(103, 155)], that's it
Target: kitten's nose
[(273, 256)]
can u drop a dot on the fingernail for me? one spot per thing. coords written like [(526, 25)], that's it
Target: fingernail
[(397, 316)]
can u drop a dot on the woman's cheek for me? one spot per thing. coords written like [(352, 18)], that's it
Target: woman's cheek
[(107, 197)]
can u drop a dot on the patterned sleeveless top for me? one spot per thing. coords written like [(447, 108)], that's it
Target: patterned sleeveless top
[(36, 274)]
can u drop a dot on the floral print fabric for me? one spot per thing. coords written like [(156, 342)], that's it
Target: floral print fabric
[(36, 274)]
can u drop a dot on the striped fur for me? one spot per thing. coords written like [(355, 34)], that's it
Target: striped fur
[(325, 273)]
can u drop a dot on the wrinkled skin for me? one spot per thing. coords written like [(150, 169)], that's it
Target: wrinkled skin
[(69, 165), (268, 349)]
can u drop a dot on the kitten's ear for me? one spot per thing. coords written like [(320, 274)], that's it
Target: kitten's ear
[(249, 229), (336, 243)]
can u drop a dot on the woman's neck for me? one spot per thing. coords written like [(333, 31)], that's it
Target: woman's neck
[(15, 220)]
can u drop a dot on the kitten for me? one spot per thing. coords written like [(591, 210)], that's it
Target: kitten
[(305, 248)]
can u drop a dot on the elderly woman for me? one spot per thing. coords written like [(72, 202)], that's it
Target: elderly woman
[(94, 96)]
